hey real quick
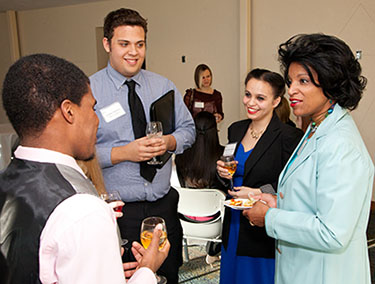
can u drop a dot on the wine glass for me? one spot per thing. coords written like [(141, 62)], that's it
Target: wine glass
[(154, 129), (231, 165), (112, 196), (147, 231)]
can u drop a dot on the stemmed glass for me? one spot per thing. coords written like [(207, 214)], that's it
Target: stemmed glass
[(154, 129), (147, 231), (231, 165), (112, 197)]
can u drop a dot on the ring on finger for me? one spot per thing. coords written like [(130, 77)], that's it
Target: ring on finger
[(251, 223)]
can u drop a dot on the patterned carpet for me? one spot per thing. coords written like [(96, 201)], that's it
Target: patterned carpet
[(196, 270)]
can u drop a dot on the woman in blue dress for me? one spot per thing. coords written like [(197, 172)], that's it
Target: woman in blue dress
[(264, 145)]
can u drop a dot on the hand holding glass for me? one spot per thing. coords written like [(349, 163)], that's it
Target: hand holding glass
[(154, 129), (112, 197), (147, 231), (231, 165)]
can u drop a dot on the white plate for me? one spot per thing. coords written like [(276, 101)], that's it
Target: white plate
[(240, 207)]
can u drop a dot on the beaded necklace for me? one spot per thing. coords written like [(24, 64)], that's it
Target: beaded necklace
[(314, 125)]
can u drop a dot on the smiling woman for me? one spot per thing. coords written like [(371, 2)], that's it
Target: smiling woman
[(264, 145)]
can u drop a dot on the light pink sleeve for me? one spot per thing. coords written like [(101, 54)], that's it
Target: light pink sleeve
[(143, 275)]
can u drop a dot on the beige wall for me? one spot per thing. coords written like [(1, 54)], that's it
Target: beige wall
[(274, 21), (209, 31), (203, 31)]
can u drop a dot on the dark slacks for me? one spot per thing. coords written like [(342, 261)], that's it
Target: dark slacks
[(166, 207)]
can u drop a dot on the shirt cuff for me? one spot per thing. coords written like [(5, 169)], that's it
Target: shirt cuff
[(104, 156), (143, 275), (270, 220), (181, 143)]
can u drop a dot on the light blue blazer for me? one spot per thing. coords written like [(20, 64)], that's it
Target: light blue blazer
[(324, 197)]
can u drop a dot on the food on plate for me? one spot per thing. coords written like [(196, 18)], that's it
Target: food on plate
[(235, 202), (242, 202), (248, 202)]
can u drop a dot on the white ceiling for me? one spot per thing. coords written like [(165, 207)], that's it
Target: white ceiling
[(19, 5)]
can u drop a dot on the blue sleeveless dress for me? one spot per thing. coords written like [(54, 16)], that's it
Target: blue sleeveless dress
[(236, 269)]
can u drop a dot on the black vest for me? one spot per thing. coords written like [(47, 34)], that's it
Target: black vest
[(29, 192)]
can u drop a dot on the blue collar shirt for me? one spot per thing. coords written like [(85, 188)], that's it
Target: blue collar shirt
[(108, 88)]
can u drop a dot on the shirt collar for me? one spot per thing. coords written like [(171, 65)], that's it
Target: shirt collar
[(42, 155), (118, 79)]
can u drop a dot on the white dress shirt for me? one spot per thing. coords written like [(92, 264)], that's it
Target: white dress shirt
[(79, 242)]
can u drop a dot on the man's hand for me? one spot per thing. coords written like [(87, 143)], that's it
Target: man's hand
[(130, 268), (115, 204), (139, 150), (151, 257)]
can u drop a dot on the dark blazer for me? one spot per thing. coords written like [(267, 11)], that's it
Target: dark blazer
[(263, 166)]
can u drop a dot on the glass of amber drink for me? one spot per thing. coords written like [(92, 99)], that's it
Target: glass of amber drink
[(147, 231), (231, 165)]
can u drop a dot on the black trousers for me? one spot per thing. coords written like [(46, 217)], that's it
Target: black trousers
[(166, 207)]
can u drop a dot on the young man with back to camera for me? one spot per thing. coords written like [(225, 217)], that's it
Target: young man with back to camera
[(53, 226)]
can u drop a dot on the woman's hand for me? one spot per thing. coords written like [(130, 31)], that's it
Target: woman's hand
[(245, 192), (223, 172), (269, 199), (218, 117), (257, 214)]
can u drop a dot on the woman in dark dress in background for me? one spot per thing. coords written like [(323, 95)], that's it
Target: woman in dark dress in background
[(204, 97)]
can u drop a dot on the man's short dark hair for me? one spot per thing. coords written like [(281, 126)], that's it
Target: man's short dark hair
[(122, 17), (34, 88)]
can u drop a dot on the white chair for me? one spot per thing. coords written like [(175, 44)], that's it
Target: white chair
[(201, 203)]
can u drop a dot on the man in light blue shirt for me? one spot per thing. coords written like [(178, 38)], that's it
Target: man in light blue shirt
[(119, 152)]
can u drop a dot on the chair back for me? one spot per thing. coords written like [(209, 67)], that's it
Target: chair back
[(201, 203)]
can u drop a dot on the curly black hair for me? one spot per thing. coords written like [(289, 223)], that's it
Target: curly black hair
[(122, 17), (338, 71), (34, 88)]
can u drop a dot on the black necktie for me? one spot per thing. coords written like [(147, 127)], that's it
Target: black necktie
[(139, 126)]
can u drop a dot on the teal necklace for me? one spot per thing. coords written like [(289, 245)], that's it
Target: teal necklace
[(314, 125)]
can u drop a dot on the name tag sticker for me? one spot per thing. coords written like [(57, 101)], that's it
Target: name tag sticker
[(199, 104), (112, 112), (229, 149)]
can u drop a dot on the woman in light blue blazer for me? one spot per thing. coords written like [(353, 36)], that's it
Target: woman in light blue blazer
[(325, 189)]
